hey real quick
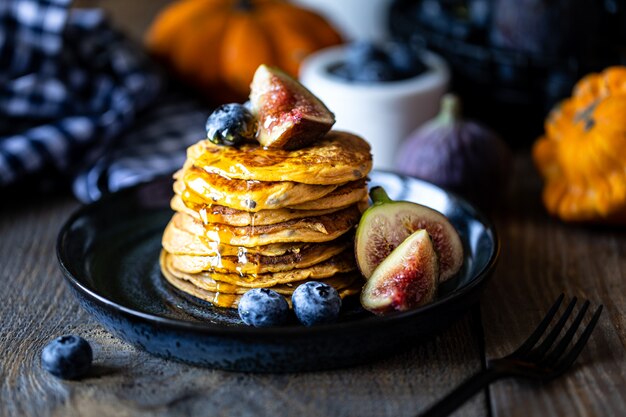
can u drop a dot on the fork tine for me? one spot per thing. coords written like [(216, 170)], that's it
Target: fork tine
[(565, 341), (534, 337), (571, 356), (541, 350)]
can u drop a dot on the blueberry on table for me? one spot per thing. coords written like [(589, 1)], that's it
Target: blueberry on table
[(67, 357), (262, 307), (231, 124), (315, 303)]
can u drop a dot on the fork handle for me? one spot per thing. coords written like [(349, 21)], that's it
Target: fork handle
[(463, 392)]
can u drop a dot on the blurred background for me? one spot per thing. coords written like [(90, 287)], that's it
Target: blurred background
[(508, 61)]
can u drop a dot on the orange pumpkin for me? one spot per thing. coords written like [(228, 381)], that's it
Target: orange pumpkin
[(582, 155), (217, 45)]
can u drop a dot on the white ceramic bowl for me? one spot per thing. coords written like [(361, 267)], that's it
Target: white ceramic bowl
[(382, 113)]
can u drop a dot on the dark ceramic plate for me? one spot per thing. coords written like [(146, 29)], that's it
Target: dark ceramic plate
[(109, 252)]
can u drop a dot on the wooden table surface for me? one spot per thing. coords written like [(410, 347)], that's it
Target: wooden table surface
[(540, 259)]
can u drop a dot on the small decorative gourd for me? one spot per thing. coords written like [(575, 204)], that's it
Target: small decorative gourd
[(582, 155), (217, 45)]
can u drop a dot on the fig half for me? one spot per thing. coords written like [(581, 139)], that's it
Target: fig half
[(289, 115), (386, 224), (405, 279)]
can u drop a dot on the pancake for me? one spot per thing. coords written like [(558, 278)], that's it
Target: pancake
[(311, 229), (344, 262), (336, 281), (244, 194), (179, 241), (233, 217), (342, 197), (350, 193), (231, 300), (337, 158), (256, 264)]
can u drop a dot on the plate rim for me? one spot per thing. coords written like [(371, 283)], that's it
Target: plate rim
[(289, 330)]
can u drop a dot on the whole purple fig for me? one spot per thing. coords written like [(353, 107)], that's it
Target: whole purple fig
[(460, 155)]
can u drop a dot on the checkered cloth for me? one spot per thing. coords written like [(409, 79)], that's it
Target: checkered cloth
[(74, 102)]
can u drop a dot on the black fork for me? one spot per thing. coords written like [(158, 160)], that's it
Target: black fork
[(544, 362)]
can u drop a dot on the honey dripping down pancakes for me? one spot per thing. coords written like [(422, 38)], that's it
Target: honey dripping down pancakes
[(271, 215)]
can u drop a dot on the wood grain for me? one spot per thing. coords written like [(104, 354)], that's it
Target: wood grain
[(542, 257), (35, 307)]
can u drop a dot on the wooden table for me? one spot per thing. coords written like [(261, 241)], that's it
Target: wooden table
[(540, 258)]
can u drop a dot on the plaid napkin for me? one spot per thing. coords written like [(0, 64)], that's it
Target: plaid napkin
[(79, 100)]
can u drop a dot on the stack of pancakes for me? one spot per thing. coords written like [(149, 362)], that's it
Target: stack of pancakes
[(249, 217)]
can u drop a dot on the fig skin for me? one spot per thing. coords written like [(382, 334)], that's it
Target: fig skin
[(386, 224), (406, 279), (289, 116), (460, 155)]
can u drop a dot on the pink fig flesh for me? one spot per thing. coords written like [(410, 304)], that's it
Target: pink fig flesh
[(386, 224), (289, 116), (406, 279)]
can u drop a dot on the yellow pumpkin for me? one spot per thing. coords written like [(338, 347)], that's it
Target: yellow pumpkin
[(582, 155), (217, 45)]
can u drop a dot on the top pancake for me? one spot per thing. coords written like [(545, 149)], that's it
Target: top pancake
[(337, 158)]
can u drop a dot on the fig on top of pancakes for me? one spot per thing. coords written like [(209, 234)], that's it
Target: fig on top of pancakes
[(272, 213)]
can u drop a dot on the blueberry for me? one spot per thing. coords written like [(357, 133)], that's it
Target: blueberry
[(315, 303), (67, 357), (405, 60), (231, 124), (374, 71), (362, 52), (262, 307)]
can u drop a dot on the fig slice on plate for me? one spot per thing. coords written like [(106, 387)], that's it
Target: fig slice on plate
[(405, 279), (386, 224), (289, 115)]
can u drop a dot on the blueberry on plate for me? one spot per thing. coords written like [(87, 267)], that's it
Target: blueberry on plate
[(231, 124), (315, 303), (67, 357), (262, 307)]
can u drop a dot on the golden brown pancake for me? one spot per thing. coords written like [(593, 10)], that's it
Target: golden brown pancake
[(245, 195), (350, 193), (337, 158), (337, 281), (231, 300), (179, 241), (313, 229), (256, 264), (233, 217), (344, 262), (342, 197)]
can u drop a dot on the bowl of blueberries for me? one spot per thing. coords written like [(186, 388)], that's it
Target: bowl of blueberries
[(379, 91)]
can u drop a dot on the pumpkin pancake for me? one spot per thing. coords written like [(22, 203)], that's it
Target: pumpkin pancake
[(233, 217), (256, 264), (342, 197), (344, 262), (245, 194), (336, 281), (179, 241), (350, 193), (337, 158), (311, 229), (231, 300)]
